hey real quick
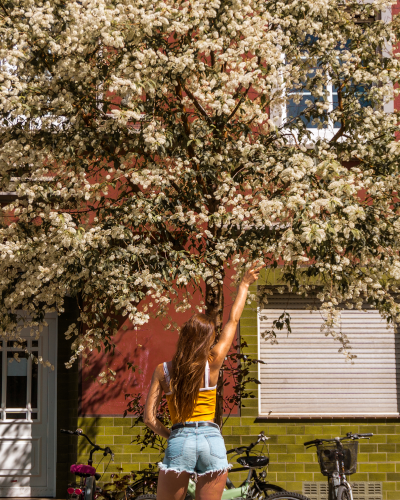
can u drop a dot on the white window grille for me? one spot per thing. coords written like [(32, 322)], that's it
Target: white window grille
[(19, 387)]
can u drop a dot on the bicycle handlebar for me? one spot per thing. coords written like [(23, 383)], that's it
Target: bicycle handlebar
[(79, 432), (238, 450), (349, 435), (243, 449)]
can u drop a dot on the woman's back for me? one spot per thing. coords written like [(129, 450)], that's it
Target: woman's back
[(204, 409)]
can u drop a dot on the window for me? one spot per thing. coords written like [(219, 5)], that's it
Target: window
[(311, 100), (301, 99), (19, 381), (305, 375)]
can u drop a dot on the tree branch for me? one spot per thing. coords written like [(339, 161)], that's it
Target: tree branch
[(5, 10), (212, 58), (237, 106), (342, 129), (198, 106)]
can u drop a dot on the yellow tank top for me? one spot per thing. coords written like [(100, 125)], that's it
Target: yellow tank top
[(206, 401)]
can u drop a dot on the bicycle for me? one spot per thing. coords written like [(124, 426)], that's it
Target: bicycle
[(254, 487), (338, 461), (87, 473), (145, 484)]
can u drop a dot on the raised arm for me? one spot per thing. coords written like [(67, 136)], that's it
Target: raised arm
[(220, 350), (152, 403)]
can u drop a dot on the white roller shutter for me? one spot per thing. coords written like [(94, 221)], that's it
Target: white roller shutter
[(304, 374)]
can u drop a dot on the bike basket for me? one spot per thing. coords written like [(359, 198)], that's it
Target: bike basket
[(327, 457)]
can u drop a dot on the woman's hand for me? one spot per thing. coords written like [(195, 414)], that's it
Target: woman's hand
[(252, 274), (220, 350)]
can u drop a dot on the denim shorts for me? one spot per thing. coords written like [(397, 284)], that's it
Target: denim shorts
[(197, 450)]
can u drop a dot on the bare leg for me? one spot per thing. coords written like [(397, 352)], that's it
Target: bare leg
[(172, 486), (210, 486)]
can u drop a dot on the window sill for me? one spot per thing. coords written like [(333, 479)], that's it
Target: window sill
[(375, 416)]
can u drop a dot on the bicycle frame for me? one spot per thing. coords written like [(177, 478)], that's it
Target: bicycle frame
[(229, 494), (339, 478)]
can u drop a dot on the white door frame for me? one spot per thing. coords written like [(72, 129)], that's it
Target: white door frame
[(20, 433)]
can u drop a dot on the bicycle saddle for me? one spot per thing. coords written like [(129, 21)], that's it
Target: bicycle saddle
[(83, 470), (253, 462)]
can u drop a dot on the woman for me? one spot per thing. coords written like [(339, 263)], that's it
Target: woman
[(195, 445)]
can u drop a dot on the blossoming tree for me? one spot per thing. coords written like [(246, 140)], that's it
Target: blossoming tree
[(152, 144)]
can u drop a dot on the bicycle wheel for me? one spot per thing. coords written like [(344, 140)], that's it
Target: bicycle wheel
[(90, 488), (139, 489), (343, 493), (287, 495), (263, 491)]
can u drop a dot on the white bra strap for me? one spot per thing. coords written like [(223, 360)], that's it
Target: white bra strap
[(207, 376), (166, 373)]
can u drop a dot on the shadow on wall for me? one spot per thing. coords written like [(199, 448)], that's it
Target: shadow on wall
[(144, 349)]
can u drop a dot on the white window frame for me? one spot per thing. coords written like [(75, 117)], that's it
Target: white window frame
[(278, 113)]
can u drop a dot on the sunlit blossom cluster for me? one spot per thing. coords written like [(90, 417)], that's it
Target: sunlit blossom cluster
[(150, 148)]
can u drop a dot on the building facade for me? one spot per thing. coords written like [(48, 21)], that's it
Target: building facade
[(292, 466), (307, 391)]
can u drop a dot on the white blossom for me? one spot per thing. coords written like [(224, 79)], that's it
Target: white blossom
[(149, 149)]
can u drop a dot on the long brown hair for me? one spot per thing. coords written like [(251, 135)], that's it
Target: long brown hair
[(189, 363)]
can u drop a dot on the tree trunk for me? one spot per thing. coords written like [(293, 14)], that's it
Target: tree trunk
[(215, 305), (215, 308), (219, 408)]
